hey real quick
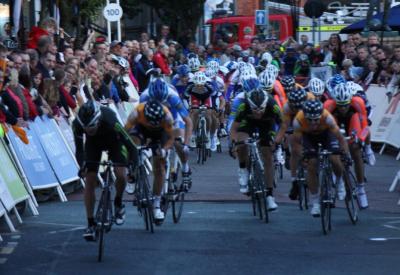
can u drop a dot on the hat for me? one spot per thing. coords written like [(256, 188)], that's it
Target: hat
[(116, 43), (100, 39), (237, 48)]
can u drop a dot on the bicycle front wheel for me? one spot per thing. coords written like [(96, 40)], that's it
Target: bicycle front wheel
[(103, 221), (326, 202), (177, 205), (351, 197)]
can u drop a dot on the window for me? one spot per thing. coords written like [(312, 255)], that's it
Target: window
[(228, 32)]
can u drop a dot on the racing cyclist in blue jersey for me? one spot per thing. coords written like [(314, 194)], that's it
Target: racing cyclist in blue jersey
[(181, 80), (164, 93)]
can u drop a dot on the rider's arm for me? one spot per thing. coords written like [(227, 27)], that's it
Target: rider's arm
[(132, 120), (78, 139), (284, 125), (359, 105), (168, 127), (334, 129)]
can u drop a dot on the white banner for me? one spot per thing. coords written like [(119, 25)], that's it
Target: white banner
[(323, 73), (5, 195), (392, 118), (379, 103)]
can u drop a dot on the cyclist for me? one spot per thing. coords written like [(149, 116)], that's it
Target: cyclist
[(261, 113), (101, 130), (332, 82), (350, 113), (244, 70), (317, 87), (194, 63), (290, 110), (289, 84), (159, 90), (181, 80), (199, 93), (314, 125), (153, 121), (271, 85)]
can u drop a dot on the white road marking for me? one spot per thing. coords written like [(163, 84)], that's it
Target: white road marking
[(383, 239), (6, 250), (391, 226), (191, 212), (3, 260), (67, 230), (55, 224), (16, 237), (231, 211)]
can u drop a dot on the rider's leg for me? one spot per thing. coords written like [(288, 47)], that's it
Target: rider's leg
[(242, 153), (356, 155), (89, 196)]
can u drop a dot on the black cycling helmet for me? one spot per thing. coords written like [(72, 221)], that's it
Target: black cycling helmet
[(297, 97), (313, 109), (89, 114), (288, 83), (154, 112), (257, 98)]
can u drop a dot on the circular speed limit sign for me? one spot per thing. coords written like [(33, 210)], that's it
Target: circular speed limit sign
[(112, 12)]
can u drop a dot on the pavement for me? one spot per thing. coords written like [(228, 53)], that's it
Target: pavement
[(216, 235)]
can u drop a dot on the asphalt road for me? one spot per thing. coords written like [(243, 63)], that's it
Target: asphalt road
[(217, 235)]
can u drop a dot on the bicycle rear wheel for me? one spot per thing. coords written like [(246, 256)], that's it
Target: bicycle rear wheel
[(253, 196), (351, 196), (177, 205)]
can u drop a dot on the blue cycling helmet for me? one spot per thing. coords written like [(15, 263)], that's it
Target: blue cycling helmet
[(183, 70), (333, 81), (250, 84), (158, 90)]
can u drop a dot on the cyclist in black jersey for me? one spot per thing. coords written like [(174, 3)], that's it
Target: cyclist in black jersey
[(97, 129)]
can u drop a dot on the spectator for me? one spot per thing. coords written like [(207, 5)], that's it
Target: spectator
[(46, 64), (164, 34), (160, 60), (370, 74), (362, 54), (335, 46), (142, 68), (357, 40)]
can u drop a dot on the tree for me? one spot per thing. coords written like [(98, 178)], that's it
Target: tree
[(178, 14)]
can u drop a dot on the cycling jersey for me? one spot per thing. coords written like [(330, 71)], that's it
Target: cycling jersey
[(279, 94), (174, 105), (266, 125), (355, 119), (326, 122), (200, 95), (289, 113), (110, 136), (139, 126), (179, 85)]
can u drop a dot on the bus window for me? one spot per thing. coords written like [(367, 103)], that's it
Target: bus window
[(274, 29), (227, 32)]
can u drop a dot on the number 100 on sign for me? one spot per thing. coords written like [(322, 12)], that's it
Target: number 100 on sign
[(112, 12)]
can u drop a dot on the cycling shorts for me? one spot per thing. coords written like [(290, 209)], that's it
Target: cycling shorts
[(266, 135), (117, 153), (326, 139), (147, 136), (196, 102)]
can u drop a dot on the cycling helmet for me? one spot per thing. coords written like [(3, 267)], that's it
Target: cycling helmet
[(272, 69), (312, 109), (267, 79), (303, 57), (250, 84), (242, 66), (120, 61), (154, 112), (354, 87), (257, 99), (297, 97), (231, 65), (158, 90), (333, 81), (288, 83), (199, 78), (213, 65), (342, 94), (89, 114), (194, 64), (316, 86), (210, 73), (266, 57), (246, 74), (183, 70)]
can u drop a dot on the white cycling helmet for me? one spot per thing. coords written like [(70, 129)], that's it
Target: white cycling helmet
[(354, 87), (194, 64), (272, 69), (246, 74), (267, 57), (316, 86), (211, 73), (200, 78), (342, 94), (267, 79), (242, 66), (213, 65)]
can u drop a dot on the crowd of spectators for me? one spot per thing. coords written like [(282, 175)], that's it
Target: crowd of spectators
[(54, 77)]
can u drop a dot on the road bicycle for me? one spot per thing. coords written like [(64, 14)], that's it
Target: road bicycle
[(202, 139)]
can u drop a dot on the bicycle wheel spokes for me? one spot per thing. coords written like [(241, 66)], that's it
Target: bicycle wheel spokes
[(351, 197), (104, 221), (325, 216), (177, 206)]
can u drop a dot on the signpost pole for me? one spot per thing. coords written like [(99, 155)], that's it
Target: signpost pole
[(266, 7), (119, 26), (108, 27)]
